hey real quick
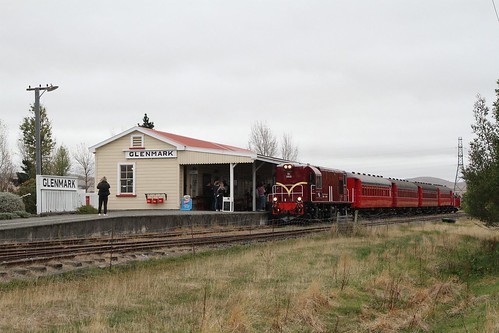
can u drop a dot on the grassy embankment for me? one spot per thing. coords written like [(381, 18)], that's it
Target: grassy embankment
[(427, 278)]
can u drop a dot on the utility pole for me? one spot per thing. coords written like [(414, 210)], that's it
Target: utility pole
[(38, 123), (458, 183)]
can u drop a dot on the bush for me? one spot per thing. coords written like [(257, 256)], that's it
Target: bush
[(474, 258), (22, 213), (7, 216), (86, 210), (9, 203), (29, 186)]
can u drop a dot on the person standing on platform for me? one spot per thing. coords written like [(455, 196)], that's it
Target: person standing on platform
[(261, 197), (221, 190), (103, 193), (216, 185)]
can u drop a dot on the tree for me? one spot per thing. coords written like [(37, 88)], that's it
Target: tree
[(288, 150), (262, 141), (146, 123), (85, 164), (28, 140), (6, 165), (482, 173), (60, 163), (28, 171), (27, 191)]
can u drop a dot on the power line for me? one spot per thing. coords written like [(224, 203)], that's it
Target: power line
[(495, 9)]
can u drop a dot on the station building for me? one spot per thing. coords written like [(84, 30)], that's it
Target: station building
[(151, 169)]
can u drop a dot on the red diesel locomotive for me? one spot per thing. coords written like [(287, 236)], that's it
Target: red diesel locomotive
[(302, 190), (308, 190)]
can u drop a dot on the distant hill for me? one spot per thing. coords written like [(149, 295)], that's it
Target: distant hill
[(438, 181)]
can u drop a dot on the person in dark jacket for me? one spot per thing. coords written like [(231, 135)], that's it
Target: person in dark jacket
[(219, 195), (104, 192)]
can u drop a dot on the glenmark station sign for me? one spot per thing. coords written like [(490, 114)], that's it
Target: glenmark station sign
[(151, 153), (58, 183), (56, 194)]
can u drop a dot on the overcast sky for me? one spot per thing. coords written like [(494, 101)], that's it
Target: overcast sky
[(380, 86)]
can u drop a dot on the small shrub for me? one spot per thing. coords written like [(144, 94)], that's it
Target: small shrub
[(86, 210), (29, 187), (22, 213), (9, 202), (478, 258), (7, 216)]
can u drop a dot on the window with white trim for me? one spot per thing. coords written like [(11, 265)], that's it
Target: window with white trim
[(137, 141), (126, 178)]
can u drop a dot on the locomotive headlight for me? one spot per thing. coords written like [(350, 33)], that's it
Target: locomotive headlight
[(275, 204), (299, 199), (288, 167)]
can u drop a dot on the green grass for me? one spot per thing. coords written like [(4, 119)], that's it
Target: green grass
[(410, 279)]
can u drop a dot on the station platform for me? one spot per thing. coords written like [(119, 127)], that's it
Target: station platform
[(119, 223)]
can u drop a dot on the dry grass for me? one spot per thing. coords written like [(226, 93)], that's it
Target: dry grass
[(387, 280)]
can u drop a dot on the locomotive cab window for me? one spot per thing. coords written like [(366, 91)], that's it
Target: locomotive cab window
[(312, 179), (316, 179), (319, 181), (341, 184)]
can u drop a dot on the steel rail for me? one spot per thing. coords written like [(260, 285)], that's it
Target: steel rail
[(42, 254)]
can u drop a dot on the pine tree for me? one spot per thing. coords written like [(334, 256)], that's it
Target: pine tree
[(28, 140), (28, 171), (61, 162), (146, 123)]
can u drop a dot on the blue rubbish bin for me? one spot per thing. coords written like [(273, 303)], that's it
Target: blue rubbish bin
[(186, 203)]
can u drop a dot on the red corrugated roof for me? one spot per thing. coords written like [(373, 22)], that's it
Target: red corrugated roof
[(191, 142)]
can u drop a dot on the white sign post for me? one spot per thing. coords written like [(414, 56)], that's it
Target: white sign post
[(56, 194)]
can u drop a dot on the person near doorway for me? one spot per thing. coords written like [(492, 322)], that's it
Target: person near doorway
[(209, 197), (221, 190), (260, 191), (216, 185)]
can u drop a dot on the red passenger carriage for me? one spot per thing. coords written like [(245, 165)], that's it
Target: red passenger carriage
[(428, 197), (369, 194), (405, 196), (446, 199)]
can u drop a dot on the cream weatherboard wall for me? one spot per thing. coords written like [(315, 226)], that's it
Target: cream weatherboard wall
[(151, 175)]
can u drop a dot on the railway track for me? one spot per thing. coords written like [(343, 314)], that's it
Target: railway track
[(31, 252), (19, 254)]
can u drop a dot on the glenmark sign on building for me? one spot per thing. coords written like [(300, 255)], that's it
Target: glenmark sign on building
[(168, 153)]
